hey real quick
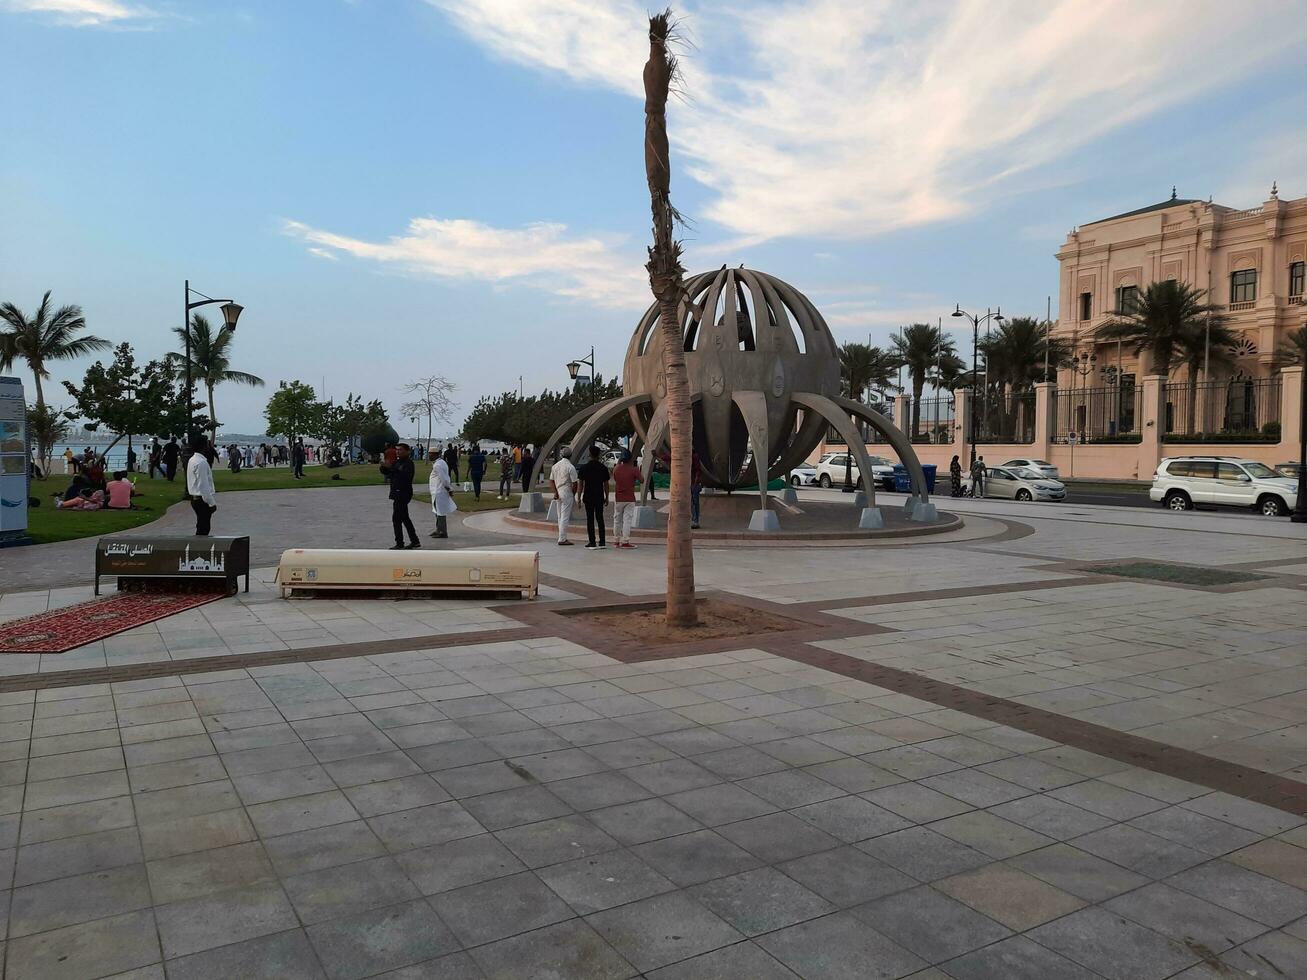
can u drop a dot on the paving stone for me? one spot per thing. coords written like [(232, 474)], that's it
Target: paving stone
[(372, 769), (68, 901), (387, 796), (671, 776), (853, 775), (1203, 833), (220, 919), (661, 930), (917, 803), (185, 801), (760, 901), (513, 807), (931, 925), (777, 837), (553, 841), (1246, 892), (1031, 773), (455, 966), (1252, 816), (592, 884), (1114, 947), (739, 763), (743, 961), (76, 789), (466, 861), (993, 835), (642, 821), (323, 847), (695, 857), (423, 826), (850, 818), (1285, 956), (283, 956), (791, 788), (1016, 958), (476, 780), (568, 949), (452, 755), (1051, 817), (912, 762), (601, 789), (839, 947), (1078, 872), (1139, 851), (1184, 918), (268, 758), (975, 787), (77, 855), (1276, 859), (923, 854), (197, 833), (90, 949), (283, 784), (189, 875), (1009, 896), (846, 876), (1107, 800), (380, 939), (332, 892)]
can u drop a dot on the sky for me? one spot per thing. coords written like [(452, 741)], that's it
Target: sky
[(400, 188)]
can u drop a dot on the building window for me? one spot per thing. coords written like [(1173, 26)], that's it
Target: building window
[(1243, 286), (1086, 305), (1127, 299), (1297, 275)]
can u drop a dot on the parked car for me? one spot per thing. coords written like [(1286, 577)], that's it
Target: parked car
[(1040, 466), (1292, 470), (1017, 483), (803, 475), (830, 471), (1181, 482)]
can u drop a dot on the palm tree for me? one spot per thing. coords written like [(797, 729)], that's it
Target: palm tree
[(667, 282), (1163, 315), (47, 336), (864, 368), (210, 361), (1293, 349), (921, 348), (1199, 347), (1014, 361)]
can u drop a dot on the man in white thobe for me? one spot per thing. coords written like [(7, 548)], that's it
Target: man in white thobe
[(442, 501), (564, 480), (199, 486)]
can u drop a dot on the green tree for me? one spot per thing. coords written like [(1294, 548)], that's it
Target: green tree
[(47, 426), (1164, 314), (48, 335), (210, 362), (294, 411), (864, 369), (1014, 361), (125, 398), (1211, 345), (1293, 349), (921, 348)]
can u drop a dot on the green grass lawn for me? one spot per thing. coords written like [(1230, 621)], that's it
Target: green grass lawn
[(46, 523)]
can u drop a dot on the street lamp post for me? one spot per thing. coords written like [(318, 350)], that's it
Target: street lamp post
[(575, 366), (976, 321), (1300, 509), (1083, 367), (231, 312)]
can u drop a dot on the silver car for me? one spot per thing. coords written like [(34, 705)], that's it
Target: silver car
[(1041, 466), (1018, 483)]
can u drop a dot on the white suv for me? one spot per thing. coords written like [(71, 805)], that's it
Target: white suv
[(1226, 481), (830, 471)]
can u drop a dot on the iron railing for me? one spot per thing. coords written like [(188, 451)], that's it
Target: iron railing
[(1237, 410), (1004, 417), (933, 420), (1109, 414), (870, 436)]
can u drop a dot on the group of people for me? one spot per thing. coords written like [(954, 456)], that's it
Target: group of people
[(979, 473), (398, 469), (591, 482), (90, 490)]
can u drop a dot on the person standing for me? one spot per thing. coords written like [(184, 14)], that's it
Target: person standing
[(696, 488), (171, 453), (563, 480), (297, 457), (442, 501), (476, 468), (451, 457), (528, 464), (199, 485), (978, 475), (594, 477), (505, 474), (517, 462), (401, 492), (955, 477), (625, 476)]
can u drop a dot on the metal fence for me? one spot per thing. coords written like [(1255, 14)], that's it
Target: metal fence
[(1110, 414), (933, 420), (1004, 417), (870, 436), (1238, 410)]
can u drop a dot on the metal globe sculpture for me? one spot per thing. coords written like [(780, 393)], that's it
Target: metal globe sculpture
[(764, 383)]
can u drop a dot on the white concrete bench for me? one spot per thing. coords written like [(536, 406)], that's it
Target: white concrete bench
[(311, 569)]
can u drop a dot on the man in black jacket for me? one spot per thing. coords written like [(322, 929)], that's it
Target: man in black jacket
[(401, 492), (297, 457)]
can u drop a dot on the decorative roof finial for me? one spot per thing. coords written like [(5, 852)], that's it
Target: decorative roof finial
[(1275, 190), (1173, 192)]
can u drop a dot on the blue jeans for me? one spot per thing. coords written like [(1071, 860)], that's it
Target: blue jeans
[(694, 504)]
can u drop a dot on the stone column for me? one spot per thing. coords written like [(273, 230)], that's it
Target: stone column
[(1152, 426), (962, 428), (1291, 411), (903, 413), (1043, 419)]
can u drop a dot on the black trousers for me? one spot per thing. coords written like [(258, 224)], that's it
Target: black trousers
[(594, 514), (505, 485), (171, 470), (299, 470), (476, 485), (203, 514), (402, 522)]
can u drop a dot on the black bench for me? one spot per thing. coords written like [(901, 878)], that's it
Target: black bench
[(173, 559)]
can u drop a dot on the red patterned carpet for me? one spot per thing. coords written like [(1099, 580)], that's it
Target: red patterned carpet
[(73, 626)]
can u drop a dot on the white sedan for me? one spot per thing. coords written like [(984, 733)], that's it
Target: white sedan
[(831, 471), (803, 475)]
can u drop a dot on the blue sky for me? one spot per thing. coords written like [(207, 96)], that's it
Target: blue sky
[(397, 188)]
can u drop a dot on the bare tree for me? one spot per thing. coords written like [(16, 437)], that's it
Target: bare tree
[(432, 397), (667, 282)]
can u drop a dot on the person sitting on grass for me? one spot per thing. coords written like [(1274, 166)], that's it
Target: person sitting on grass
[(120, 492), (89, 500)]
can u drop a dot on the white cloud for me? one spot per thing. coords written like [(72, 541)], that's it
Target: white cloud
[(594, 269), (852, 117), (81, 13)]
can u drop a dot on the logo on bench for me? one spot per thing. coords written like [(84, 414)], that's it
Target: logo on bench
[(405, 574)]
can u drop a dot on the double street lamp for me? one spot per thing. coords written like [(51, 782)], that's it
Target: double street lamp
[(976, 321), (1300, 509), (574, 367), (231, 312)]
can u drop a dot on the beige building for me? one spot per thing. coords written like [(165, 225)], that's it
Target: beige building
[(1250, 262)]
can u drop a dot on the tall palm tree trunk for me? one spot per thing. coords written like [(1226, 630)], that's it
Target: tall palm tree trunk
[(213, 416), (666, 281), (918, 385), (40, 392), (1191, 412)]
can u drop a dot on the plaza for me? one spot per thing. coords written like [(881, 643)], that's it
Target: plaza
[(982, 753)]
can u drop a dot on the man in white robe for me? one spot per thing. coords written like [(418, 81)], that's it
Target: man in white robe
[(442, 501), (564, 480)]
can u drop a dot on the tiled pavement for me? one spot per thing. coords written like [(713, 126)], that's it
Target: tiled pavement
[(533, 808)]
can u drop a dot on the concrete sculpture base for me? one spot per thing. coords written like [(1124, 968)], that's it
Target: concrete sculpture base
[(860, 498), (552, 513), (645, 517), (872, 519), (790, 496), (532, 503), (764, 520), (924, 513)]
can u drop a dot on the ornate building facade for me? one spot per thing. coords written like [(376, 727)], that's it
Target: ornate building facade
[(1250, 262)]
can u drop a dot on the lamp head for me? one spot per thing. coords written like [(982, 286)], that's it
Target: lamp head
[(231, 312), (572, 368), (957, 310)]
